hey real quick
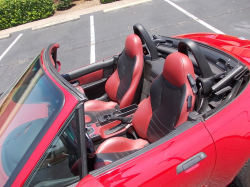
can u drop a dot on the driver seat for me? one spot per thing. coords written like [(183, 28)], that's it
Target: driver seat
[(170, 101), (122, 85)]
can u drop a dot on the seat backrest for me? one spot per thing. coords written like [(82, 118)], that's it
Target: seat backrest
[(122, 84), (167, 106)]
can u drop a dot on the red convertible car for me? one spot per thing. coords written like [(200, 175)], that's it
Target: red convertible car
[(166, 111)]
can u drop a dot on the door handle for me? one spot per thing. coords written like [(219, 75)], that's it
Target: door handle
[(190, 162)]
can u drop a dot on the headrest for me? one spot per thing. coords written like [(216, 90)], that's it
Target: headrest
[(176, 68), (133, 45)]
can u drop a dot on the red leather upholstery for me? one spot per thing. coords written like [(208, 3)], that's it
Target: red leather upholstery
[(129, 96), (91, 77), (131, 67), (120, 144), (151, 121), (176, 68), (111, 85), (95, 108), (142, 118), (87, 119), (178, 62), (133, 47), (96, 105)]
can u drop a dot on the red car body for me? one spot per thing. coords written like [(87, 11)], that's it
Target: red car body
[(224, 138)]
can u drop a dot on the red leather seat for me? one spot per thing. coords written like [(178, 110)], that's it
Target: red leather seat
[(122, 85), (165, 108)]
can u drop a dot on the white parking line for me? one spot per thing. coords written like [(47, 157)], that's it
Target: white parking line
[(10, 46), (92, 40), (125, 5), (195, 18)]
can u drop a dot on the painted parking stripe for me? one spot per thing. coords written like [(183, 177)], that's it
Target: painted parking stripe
[(92, 40), (195, 18), (10, 46)]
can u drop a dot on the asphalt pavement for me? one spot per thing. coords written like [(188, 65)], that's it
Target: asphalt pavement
[(111, 28)]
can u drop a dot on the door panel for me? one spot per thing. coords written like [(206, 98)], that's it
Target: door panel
[(95, 89), (92, 78), (106, 65), (89, 78), (93, 84), (159, 165), (230, 129)]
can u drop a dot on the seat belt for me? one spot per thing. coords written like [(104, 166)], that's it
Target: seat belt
[(146, 81)]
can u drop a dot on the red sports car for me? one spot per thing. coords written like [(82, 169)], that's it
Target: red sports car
[(166, 111)]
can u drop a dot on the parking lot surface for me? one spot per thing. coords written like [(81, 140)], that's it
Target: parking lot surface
[(111, 28)]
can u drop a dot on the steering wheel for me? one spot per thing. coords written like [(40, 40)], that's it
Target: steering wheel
[(90, 146)]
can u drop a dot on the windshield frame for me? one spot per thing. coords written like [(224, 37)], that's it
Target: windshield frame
[(50, 57), (43, 131)]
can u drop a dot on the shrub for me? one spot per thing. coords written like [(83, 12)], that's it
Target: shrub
[(63, 4), (16, 12), (107, 1)]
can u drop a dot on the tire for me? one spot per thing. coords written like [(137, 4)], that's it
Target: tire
[(243, 177)]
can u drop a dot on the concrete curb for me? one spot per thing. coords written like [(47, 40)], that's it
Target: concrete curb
[(60, 19), (55, 23), (4, 36), (126, 5)]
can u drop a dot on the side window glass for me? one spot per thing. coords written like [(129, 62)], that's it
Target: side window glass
[(61, 164)]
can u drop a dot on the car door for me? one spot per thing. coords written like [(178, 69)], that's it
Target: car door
[(185, 157), (230, 129)]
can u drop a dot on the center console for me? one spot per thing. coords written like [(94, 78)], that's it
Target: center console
[(111, 124), (106, 119)]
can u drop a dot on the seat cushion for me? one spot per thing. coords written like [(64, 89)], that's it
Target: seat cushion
[(103, 159), (116, 148), (120, 144)]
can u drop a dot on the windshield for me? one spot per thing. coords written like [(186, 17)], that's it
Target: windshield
[(25, 109)]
